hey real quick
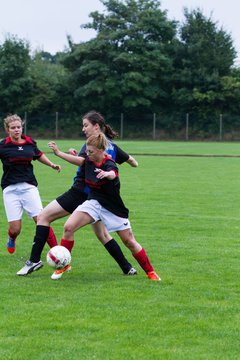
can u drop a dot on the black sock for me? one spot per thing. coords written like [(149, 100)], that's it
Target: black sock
[(115, 251), (39, 241)]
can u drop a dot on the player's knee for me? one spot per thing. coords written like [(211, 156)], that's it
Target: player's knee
[(129, 240), (68, 228), (44, 218)]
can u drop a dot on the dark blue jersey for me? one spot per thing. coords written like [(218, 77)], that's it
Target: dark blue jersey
[(16, 159)]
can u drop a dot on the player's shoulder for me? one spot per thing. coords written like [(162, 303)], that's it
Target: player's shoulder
[(111, 145), (108, 159), (29, 140)]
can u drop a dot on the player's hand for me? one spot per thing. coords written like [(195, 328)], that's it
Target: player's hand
[(54, 147), (105, 174), (101, 174), (56, 167), (73, 152)]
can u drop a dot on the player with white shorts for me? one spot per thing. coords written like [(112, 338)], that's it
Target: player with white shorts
[(18, 182), (19, 197), (99, 213), (104, 204)]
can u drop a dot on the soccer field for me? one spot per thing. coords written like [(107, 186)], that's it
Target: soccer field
[(185, 211)]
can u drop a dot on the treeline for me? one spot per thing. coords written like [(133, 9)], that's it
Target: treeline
[(139, 62)]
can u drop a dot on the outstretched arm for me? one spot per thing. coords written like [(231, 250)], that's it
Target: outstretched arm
[(72, 159), (131, 161), (45, 160)]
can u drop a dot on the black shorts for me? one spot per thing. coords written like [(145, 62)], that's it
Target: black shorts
[(70, 200)]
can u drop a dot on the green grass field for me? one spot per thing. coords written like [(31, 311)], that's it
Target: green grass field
[(186, 212)]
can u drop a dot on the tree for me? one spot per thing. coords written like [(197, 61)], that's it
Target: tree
[(15, 82), (127, 65), (47, 76), (203, 57)]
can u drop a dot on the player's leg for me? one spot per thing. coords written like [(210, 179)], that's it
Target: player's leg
[(138, 253), (76, 221), (33, 206), (84, 214), (70, 200), (113, 248), (51, 240), (14, 210), (61, 207), (50, 213), (123, 228), (14, 230)]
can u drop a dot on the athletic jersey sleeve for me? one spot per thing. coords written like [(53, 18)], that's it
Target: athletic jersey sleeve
[(82, 151), (121, 156), (83, 154), (36, 152), (111, 165)]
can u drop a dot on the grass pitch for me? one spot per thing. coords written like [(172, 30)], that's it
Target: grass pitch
[(185, 211)]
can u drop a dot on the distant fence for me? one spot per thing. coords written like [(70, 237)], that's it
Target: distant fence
[(147, 126)]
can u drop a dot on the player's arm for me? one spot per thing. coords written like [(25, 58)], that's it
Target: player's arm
[(122, 156), (110, 175), (45, 160), (72, 159), (131, 161), (110, 172)]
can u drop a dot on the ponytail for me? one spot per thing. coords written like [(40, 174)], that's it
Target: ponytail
[(109, 132)]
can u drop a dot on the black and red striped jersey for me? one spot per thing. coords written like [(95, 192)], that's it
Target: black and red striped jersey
[(16, 159), (106, 192), (114, 151)]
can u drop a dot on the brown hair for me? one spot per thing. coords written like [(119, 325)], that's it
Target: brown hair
[(99, 141), (10, 118), (96, 118)]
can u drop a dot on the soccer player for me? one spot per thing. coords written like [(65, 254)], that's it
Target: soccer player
[(18, 182), (93, 123), (104, 204)]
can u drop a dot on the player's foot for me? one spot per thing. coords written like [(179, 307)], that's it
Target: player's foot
[(153, 276), (59, 272), (10, 245), (29, 267), (132, 271)]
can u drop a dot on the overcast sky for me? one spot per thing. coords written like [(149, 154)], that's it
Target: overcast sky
[(46, 23)]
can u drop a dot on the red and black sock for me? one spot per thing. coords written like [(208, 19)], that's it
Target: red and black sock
[(67, 244), (51, 240), (143, 261)]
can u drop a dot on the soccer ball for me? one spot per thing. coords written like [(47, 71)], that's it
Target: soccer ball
[(58, 257)]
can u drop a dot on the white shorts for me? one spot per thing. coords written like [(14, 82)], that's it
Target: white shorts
[(98, 212), (19, 197)]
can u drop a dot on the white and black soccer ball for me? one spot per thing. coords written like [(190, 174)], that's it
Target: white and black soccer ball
[(58, 257)]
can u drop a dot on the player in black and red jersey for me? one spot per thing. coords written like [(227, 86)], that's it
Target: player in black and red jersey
[(104, 204), (19, 183)]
